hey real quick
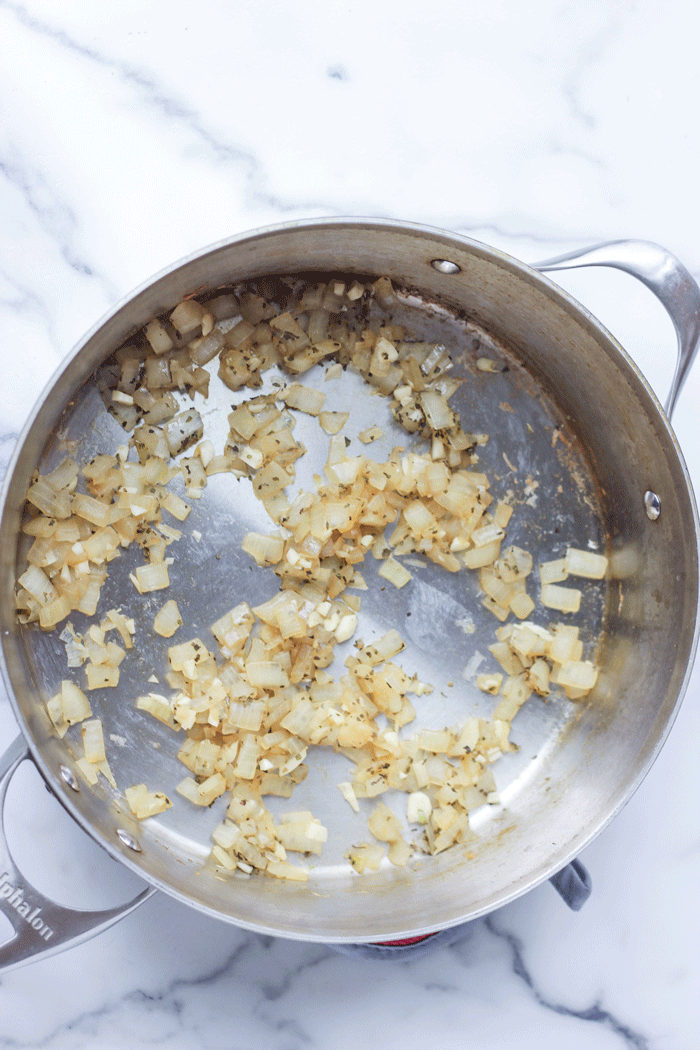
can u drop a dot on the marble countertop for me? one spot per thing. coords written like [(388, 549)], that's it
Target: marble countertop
[(133, 134)]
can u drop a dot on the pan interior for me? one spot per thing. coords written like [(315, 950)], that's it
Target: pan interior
[(533, 459)]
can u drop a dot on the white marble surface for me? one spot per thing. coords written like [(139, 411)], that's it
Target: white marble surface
[(132, 134)]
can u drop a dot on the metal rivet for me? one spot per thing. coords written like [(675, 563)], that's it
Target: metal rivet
[(128, 840), (652, 504), (445, 266), (69, 776)]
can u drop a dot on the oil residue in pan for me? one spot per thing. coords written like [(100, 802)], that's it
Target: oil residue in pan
[(532, 460)]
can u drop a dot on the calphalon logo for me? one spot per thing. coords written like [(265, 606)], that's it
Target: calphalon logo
[(15, 897)]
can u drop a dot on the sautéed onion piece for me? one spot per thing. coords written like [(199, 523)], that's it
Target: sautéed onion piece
[(254, 705)]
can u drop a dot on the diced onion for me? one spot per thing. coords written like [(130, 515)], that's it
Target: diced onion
[(144, 803), (487, 364), (251, 710), (158, 337), (93, 741), (384, 824), (38, 585), (437, 411), (167, 620), (564, 599), (577, 674), (553, 571), (187, 316), (365, 856), (394, 572), (347, 791), (266, 675), (266, 550), (156, 705), (370, 434), (304, 398), (75, 704), (418, 808), (152, 577), (586, 563), (333, 422), (183, 430), (490, 683)]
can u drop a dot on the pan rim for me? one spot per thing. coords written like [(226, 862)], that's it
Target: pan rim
[(514, 266)]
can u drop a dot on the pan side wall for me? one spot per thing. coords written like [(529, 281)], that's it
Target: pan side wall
[(651, 609)]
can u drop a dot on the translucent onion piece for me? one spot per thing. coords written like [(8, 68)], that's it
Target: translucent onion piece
[(564, 599), (93, 741), (586, 563), (167, 620), (151, 577), (144, 803)]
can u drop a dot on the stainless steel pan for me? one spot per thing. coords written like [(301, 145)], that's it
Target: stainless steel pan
[(579, 438)]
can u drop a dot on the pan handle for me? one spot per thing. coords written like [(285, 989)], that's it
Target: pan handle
[(42, 927), (674, 287)]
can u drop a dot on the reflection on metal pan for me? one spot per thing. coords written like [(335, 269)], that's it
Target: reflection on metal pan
[(576, 440)]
